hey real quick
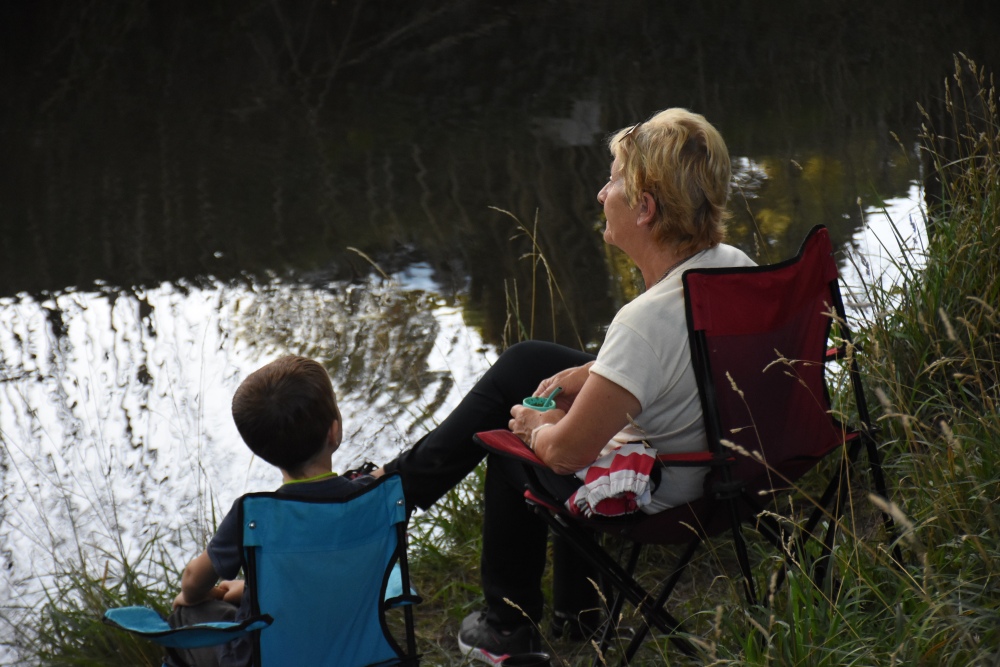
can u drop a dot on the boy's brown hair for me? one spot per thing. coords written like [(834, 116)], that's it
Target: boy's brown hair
[(284, 411)]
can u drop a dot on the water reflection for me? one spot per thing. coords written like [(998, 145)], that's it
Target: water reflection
[(185, 181), (115, 405), (168, 143), (892, 244)]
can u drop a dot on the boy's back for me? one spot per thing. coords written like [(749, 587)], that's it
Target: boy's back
[(225, 548), (287, 414)]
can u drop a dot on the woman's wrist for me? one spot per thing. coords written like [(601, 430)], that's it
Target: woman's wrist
[(534, 434)]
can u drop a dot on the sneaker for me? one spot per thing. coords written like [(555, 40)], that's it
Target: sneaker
[(479, 640)]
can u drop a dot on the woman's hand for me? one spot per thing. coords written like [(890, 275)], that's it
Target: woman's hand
[(600, 410), (525, 420), (571, 380)]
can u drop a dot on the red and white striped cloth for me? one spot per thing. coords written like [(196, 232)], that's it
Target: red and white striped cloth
[(615, 484)]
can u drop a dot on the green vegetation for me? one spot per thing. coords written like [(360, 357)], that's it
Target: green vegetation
[(930, 353), (67, 629)]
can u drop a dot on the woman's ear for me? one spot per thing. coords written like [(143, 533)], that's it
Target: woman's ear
[(647, 209)]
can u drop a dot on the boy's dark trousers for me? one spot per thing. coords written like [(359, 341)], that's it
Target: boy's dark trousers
[(206, 612)]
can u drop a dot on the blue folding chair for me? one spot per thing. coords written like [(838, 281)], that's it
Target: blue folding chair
[(321, 575)]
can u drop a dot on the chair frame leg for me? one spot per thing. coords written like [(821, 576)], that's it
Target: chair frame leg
[(831, 503), (411, 634), (661, 599), (620, 579), (878, 477), (617, 604), (740, 544)]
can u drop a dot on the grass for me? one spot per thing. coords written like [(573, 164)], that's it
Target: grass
[(929, 353), (934, 365), (520, 326), (67, 629)]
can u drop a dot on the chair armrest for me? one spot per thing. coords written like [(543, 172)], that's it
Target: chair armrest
[(145, 622), (542, 501), (505, 443), (394, 595), (840, 352)]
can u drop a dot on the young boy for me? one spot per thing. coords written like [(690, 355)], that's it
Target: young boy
[(286, 413)]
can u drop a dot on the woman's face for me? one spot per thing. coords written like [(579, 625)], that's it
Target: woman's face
[(621, 217)]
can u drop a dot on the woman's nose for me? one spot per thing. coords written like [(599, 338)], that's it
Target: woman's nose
[(601, 196)]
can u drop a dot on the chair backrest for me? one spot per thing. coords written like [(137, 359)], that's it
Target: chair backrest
[(758, 342), (321, 569)]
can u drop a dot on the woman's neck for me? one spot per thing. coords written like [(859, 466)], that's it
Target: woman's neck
[(661, 264)]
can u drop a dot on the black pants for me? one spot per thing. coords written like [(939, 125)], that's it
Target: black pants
[(207, 612), (514, 538)]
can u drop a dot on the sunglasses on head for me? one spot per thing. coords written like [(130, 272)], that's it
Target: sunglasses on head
[(631, 130)]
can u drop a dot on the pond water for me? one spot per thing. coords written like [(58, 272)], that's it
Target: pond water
[(193, 192)]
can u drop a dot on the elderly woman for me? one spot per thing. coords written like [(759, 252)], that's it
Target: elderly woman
[(665, 204)]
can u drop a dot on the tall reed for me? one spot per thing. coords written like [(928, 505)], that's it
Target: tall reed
[(67, 630), (933, 360), (930, 354)]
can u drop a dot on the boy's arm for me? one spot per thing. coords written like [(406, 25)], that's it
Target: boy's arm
[(197, 581)]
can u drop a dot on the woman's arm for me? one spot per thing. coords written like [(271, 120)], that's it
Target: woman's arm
[(575, 438)]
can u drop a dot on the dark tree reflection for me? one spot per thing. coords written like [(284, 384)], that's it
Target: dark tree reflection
[(148, 141)]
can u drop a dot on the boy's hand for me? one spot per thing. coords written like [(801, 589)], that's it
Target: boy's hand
[(229, 591)]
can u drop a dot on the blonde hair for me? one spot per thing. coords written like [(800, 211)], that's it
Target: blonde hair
[(682, 161)]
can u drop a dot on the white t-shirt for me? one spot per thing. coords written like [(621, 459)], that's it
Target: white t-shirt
[(646, 352)]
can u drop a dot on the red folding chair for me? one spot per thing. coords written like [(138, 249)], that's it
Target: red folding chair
[(759, 340)]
